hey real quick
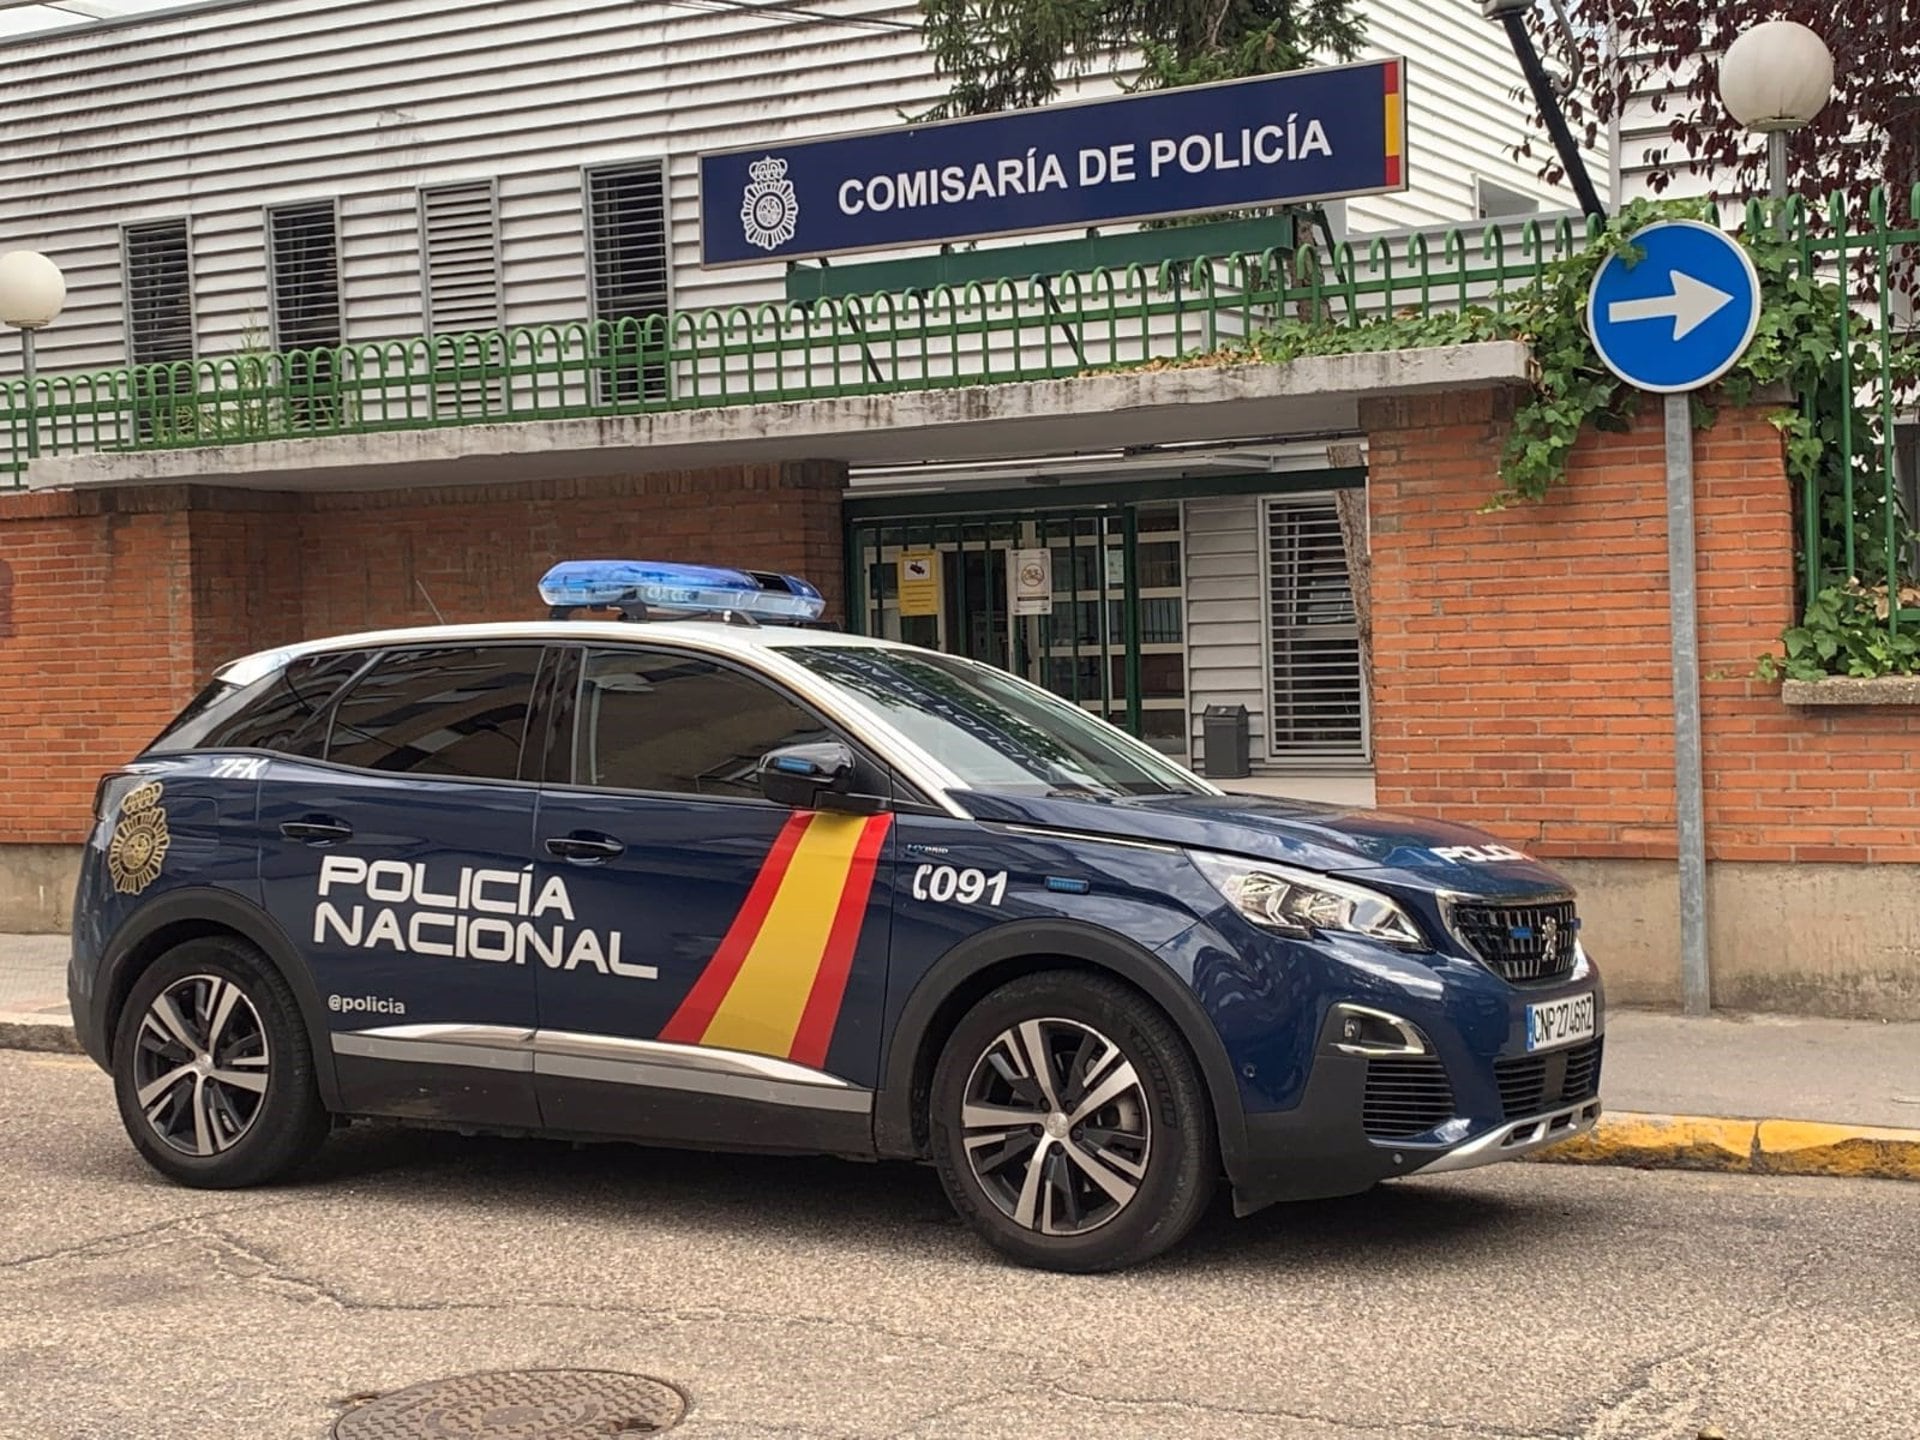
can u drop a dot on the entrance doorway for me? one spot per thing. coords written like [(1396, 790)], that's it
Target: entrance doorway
[(1086, 601)]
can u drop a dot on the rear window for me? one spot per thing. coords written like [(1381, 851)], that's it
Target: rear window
[(285, 711), (456, 710)]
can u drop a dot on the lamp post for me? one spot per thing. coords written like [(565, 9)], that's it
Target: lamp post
[(32, 290), (1774, 79)]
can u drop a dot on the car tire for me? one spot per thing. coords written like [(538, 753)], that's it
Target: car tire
[(213, 1069), (1122, 1175)]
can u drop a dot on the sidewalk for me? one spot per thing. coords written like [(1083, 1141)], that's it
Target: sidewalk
[(33, 993), (1771, 1093)]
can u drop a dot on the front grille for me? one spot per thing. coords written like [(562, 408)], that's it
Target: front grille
[(1405, 1096), (1525, 943), (1530, 1084)]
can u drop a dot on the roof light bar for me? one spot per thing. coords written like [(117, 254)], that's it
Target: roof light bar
[(637, 587)]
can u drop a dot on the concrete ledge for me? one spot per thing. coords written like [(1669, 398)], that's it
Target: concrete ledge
[(38, 1032), (1749, 1147), (1849, 690), (36, 888), (1090, 413)]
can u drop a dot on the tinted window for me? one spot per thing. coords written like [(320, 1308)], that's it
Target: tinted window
[(993, 731), (453, 711), (664, 722), (283, 711)]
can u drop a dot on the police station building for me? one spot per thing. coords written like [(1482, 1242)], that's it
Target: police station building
[(376, 310), (220, 179)]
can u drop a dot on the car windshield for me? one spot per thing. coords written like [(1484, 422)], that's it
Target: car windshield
[(995, 732)]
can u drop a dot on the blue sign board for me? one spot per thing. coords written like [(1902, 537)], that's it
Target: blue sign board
[(1680, 316), (1278, 139)]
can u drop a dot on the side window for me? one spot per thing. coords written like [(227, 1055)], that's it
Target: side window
[(678, 724), (284, 711), (446, 711)]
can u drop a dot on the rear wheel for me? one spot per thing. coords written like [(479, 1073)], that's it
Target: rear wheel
[(1069, 1125), (213, 1070)]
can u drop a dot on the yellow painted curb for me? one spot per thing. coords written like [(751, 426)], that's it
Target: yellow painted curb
[(1668, 1142), (1804, 1147), (1764, 1147)]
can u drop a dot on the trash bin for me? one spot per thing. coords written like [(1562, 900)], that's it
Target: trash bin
[(1224, 742)]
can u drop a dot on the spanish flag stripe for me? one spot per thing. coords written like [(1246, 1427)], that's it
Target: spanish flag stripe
[(815, 1034), (763, 1006), (690, 1021)]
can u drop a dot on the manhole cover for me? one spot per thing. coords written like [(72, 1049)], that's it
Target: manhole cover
[(519, 1405)]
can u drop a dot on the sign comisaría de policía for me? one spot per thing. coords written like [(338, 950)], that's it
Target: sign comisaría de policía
[(1279, 139)]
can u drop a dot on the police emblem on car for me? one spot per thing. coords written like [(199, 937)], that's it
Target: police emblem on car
[(678, 864)]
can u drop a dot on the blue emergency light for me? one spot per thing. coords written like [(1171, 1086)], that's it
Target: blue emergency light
[(635, 588)]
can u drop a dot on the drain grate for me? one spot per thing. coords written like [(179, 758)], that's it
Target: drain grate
[(519, 1405)]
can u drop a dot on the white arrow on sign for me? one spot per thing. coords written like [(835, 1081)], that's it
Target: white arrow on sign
[(1691, 303)]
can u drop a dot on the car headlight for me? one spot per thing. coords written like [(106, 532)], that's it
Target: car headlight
[(1295, 902)]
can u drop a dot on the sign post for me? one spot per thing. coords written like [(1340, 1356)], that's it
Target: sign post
[(1671, 321)]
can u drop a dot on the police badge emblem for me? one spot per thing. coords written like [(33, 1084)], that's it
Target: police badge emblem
[(140, 841), (769, 210)]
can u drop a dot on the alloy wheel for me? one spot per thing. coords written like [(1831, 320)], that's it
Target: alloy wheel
[(200, 1065), (1056, 1126)]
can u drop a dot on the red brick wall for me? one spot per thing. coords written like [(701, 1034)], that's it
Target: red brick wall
[(1521, 675), (115, 606)]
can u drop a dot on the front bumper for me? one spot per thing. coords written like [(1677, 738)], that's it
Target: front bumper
[(1519, 1138), (1461, 1096)]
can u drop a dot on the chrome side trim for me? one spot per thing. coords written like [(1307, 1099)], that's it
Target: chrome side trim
[(704, 1082), (703, 1058), (613, 1059), (1045, 833), (1522, 1137), (509, 1036), (370, 1045)]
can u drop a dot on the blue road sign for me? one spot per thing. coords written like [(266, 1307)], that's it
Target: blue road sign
[(1678, 317), (1275, 139)]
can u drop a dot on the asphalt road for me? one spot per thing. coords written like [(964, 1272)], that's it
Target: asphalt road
[(817, 1298)]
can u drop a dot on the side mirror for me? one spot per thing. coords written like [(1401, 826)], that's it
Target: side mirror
[(816, 776)]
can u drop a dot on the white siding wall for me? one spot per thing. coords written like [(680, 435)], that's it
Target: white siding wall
[(1642, 140), (1463, 117), (216, 113), (1226, 652)]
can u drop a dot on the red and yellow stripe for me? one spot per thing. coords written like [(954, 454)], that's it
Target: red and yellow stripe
[(1396, 103), (775, 985)]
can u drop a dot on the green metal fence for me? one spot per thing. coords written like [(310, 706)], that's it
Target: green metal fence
[(1035, 328), (1858, 491)]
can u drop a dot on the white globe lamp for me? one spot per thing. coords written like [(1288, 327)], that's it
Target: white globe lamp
[(1775, 78), (32, 290)]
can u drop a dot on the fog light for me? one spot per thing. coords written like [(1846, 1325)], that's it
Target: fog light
[(1361, 1031)]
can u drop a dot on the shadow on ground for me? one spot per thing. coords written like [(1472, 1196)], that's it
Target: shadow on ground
[(900, 1207)]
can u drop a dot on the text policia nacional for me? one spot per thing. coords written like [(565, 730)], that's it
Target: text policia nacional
[(1035, 173)]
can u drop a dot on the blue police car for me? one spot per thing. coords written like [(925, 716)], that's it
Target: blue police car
[(723, 880)]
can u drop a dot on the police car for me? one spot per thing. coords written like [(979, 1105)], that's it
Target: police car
[(724, 880)]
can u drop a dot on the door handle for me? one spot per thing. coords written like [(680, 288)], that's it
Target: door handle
[(584, 846), (317, 830)]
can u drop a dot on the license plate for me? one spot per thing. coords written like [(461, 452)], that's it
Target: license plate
[(1559, 1022)]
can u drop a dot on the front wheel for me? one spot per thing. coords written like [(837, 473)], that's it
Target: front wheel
[(1069, 1125), (213, 1069)]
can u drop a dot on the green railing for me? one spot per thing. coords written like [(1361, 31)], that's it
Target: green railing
[(1856, 504), (1859, 486), (979, 333)]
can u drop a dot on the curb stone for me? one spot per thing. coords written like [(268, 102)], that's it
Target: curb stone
[(37, 1032), (1747, 1147)]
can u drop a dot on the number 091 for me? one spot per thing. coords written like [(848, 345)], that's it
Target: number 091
[(943, 884)]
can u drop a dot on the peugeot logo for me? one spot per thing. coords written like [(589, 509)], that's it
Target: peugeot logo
[(1550, 939)]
